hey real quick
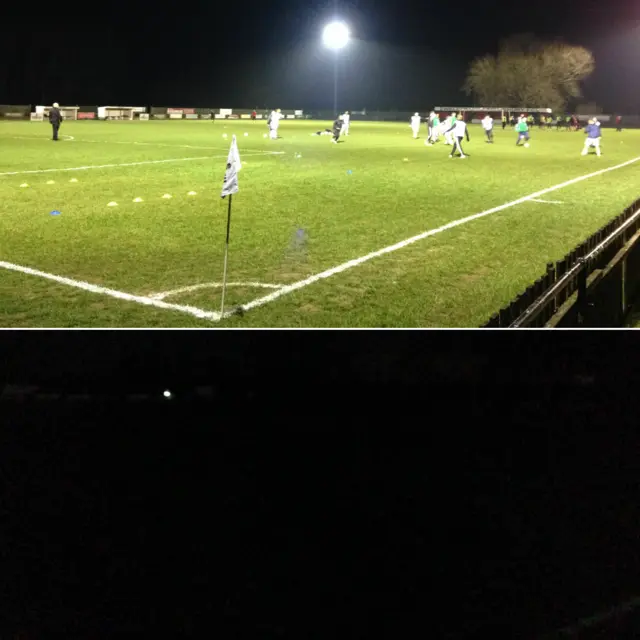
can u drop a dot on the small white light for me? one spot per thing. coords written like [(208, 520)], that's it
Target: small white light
[(167, 394)]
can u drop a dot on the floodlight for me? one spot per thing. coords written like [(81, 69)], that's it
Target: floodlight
[(335, 35)]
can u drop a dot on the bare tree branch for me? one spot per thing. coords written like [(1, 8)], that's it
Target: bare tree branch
[(529, 72)]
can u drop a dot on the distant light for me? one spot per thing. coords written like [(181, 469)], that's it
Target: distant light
[(167, 394), (335, 35)]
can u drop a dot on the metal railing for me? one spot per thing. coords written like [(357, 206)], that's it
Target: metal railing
[(550, 296)]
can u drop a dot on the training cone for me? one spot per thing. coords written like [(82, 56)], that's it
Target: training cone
[(73, 180), (191, 193), (166, 196), (112, 204), (246, 134), (137, 199), (51, 181), (24, 184)]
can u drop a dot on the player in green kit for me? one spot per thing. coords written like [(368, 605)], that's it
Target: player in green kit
[(523, 131)]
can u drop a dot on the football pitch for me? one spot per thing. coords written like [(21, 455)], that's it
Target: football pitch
[(376, 231)]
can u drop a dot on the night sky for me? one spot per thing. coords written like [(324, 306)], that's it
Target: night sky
[(245, 54)]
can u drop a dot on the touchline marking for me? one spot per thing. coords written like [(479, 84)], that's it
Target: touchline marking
[(258, 302), (93, 288), (546, 201), (214, 285), (130, 164)]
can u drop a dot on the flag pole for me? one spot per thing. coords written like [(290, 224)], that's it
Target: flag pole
[(226, 256)]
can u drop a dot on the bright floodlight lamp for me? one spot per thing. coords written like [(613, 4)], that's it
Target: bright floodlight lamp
[(335, 35)]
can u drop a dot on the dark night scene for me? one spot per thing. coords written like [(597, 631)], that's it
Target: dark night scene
[(185, 190)]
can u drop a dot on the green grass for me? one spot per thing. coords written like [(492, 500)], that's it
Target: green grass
[(456, 278)]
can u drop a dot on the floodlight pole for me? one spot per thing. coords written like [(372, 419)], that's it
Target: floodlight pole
[(335, 83)]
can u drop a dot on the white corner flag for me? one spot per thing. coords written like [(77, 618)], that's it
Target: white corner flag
[(230, 185)]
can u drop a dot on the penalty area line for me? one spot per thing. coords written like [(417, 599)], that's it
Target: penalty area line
[(258, 302), (121, 295), (148, 144), (132, 164)]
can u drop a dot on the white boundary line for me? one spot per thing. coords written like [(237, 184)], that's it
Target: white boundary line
[(132, 164), (149, 144), (258, 302), (213, 285), (86, 286), (547, 201)]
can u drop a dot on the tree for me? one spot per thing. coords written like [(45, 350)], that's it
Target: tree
[(528, 72)]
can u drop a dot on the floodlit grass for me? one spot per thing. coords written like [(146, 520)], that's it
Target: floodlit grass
[(351, 199)]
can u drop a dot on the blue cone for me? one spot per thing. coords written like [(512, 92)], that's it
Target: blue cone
[(349, 172), (55, 212)]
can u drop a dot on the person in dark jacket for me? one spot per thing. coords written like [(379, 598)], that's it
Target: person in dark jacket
[(55, 118), (337, 128)]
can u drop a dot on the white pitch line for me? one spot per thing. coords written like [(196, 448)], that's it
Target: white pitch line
[(130, 164), (149, 144), (258, 302), (93, 288), (546, 201), (213, 285)]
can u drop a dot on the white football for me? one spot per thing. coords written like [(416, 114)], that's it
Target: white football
[(526, 144)]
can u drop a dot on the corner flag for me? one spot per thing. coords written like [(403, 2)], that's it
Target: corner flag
[(230, 185)]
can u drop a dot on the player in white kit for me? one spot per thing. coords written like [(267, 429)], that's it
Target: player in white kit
[(346, 117), (274, 123), (415, 124)]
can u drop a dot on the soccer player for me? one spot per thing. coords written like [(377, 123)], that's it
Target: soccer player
[(415, 124), (346, 118), (444, 125), (55, 118), (618, 123), (430, 126), (487, 125), (523, 131), (337, 129), (593, 137), (504, 120), (274, 123), (451, 120), (434, 129), (459, 130)]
